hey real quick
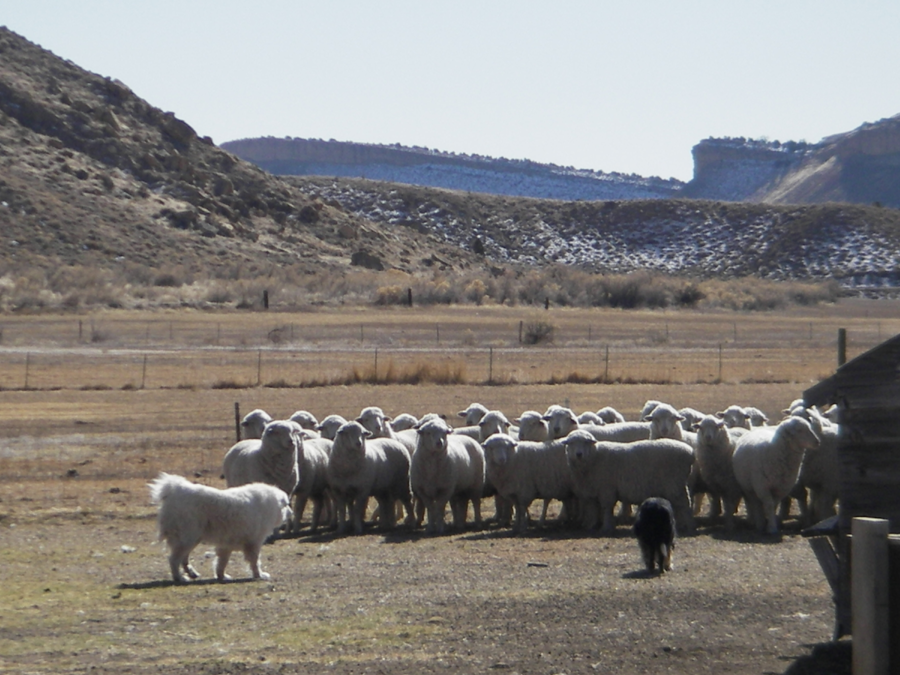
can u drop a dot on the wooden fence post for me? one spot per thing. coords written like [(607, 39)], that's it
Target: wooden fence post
[(144, 372), (869, 595), (237, 421), (842, 346), (491, 365), (27, 364), (259, 368)]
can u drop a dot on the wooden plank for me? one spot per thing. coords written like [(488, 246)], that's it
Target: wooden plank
[(894, 601), (869, 597), (828, 561)]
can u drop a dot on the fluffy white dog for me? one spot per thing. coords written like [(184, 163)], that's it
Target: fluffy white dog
[(238, 518)]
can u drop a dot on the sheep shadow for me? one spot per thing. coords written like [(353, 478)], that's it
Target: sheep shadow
[(166, 583)]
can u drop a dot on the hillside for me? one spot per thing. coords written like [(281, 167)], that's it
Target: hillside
[(856, 245), (100, 187), (421, 166), (91, 175)]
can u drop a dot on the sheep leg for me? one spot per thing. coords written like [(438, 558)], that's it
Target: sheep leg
[(251, 555), (769, 508), (222, 557), (299, 506), (609, 518), (521, 522), (341, 507), (503, 509), (388, 514), (410, 514), (544, 513), (730, 507), (476, 510), (358, 512), (684, 516), (458, 507)]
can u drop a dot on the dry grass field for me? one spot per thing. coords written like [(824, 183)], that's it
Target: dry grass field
[(88, 415)]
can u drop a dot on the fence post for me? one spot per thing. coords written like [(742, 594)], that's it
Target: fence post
[(79, 330), (259, 368), (375, 376), (265, 299), (237, 421), (437, 332), (490, 365), (842, 346), (409, 296), (27, 364), (521, 325), (720, 362), (869, 596), (144, 372), (606, 366)]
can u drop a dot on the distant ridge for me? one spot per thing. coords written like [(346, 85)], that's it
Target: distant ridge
[(432, 168)]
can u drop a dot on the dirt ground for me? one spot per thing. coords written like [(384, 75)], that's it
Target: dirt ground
[(87, 590)]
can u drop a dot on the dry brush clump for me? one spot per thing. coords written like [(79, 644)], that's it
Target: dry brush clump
[(244, 285)]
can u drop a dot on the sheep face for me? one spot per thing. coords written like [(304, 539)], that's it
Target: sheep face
[(735, 416), (494, 422), (580, 445), (590, 418), (403, 421), (351, 438), (610, 415), (329, 426), (283, 434), (800, 432), (433, 436), (665, 422), (375, 421), (253, 424), (473, 414), (709, 429), (499, 449), (560, 422), (532, 426)]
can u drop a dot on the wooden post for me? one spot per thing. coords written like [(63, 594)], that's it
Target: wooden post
[(409, 296), (735, 331), (589, 333), (437, 333), (606, 366), (521, 325), (237, 421), (259, 368), (79, 330), (842, 346), (144, 372), (546, 303), (491, 365), (720, 362), (375, 377), (27, 364), (362, 333), (869, 596), (265, 299)]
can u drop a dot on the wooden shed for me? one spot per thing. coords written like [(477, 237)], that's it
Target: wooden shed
[(867, 392)]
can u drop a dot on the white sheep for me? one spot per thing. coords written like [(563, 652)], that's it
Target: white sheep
[(271, 459), (447, 468), (610, 415), (604, 473), (253, 423), (691, 416), (532, 426), (648, 408), (666, 422), (328, 427), (735, 416), (589, 417), (473, 414), (820, 470), (757, 417), (312, 461), (715, 447), (523, 471), (493, 422), (305, 419), (359, 468), (403, 421), (767, 463), (562, 421)]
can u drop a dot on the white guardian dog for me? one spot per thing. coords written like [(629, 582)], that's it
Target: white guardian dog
[(238, 518)]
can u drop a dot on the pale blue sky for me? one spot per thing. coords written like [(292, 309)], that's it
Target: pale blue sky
[(613, 86)]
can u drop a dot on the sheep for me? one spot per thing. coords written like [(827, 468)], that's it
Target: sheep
[(757, 417), (312, 461), (562, 421), (610, 415), (735, 416), (691, 417), (360, 467), (606, 472), (590, 418), (766, 464), (820, 469), (403, 421), (655, 531), (715, 446), (532, 426), (235, 518), (523, 471), (328, 427), (493, 422), (271, 459), (447, 468), (253, 423), (305, 419), (648, 408), (473, 414)]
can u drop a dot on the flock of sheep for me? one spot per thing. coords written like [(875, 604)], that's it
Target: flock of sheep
[(414, 467)]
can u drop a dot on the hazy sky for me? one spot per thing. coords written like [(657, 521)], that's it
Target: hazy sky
[(625, 86)]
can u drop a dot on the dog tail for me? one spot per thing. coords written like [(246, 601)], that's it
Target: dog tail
[(163, 486)]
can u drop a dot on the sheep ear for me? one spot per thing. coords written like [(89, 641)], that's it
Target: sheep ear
[(388, 418), (546, 418), (461, 413), (366, 433), (720, 414)]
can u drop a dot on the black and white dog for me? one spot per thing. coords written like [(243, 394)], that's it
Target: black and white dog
[(655, 532)]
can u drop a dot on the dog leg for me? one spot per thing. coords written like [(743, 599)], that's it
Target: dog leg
[(251, 555), (222, 556)]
